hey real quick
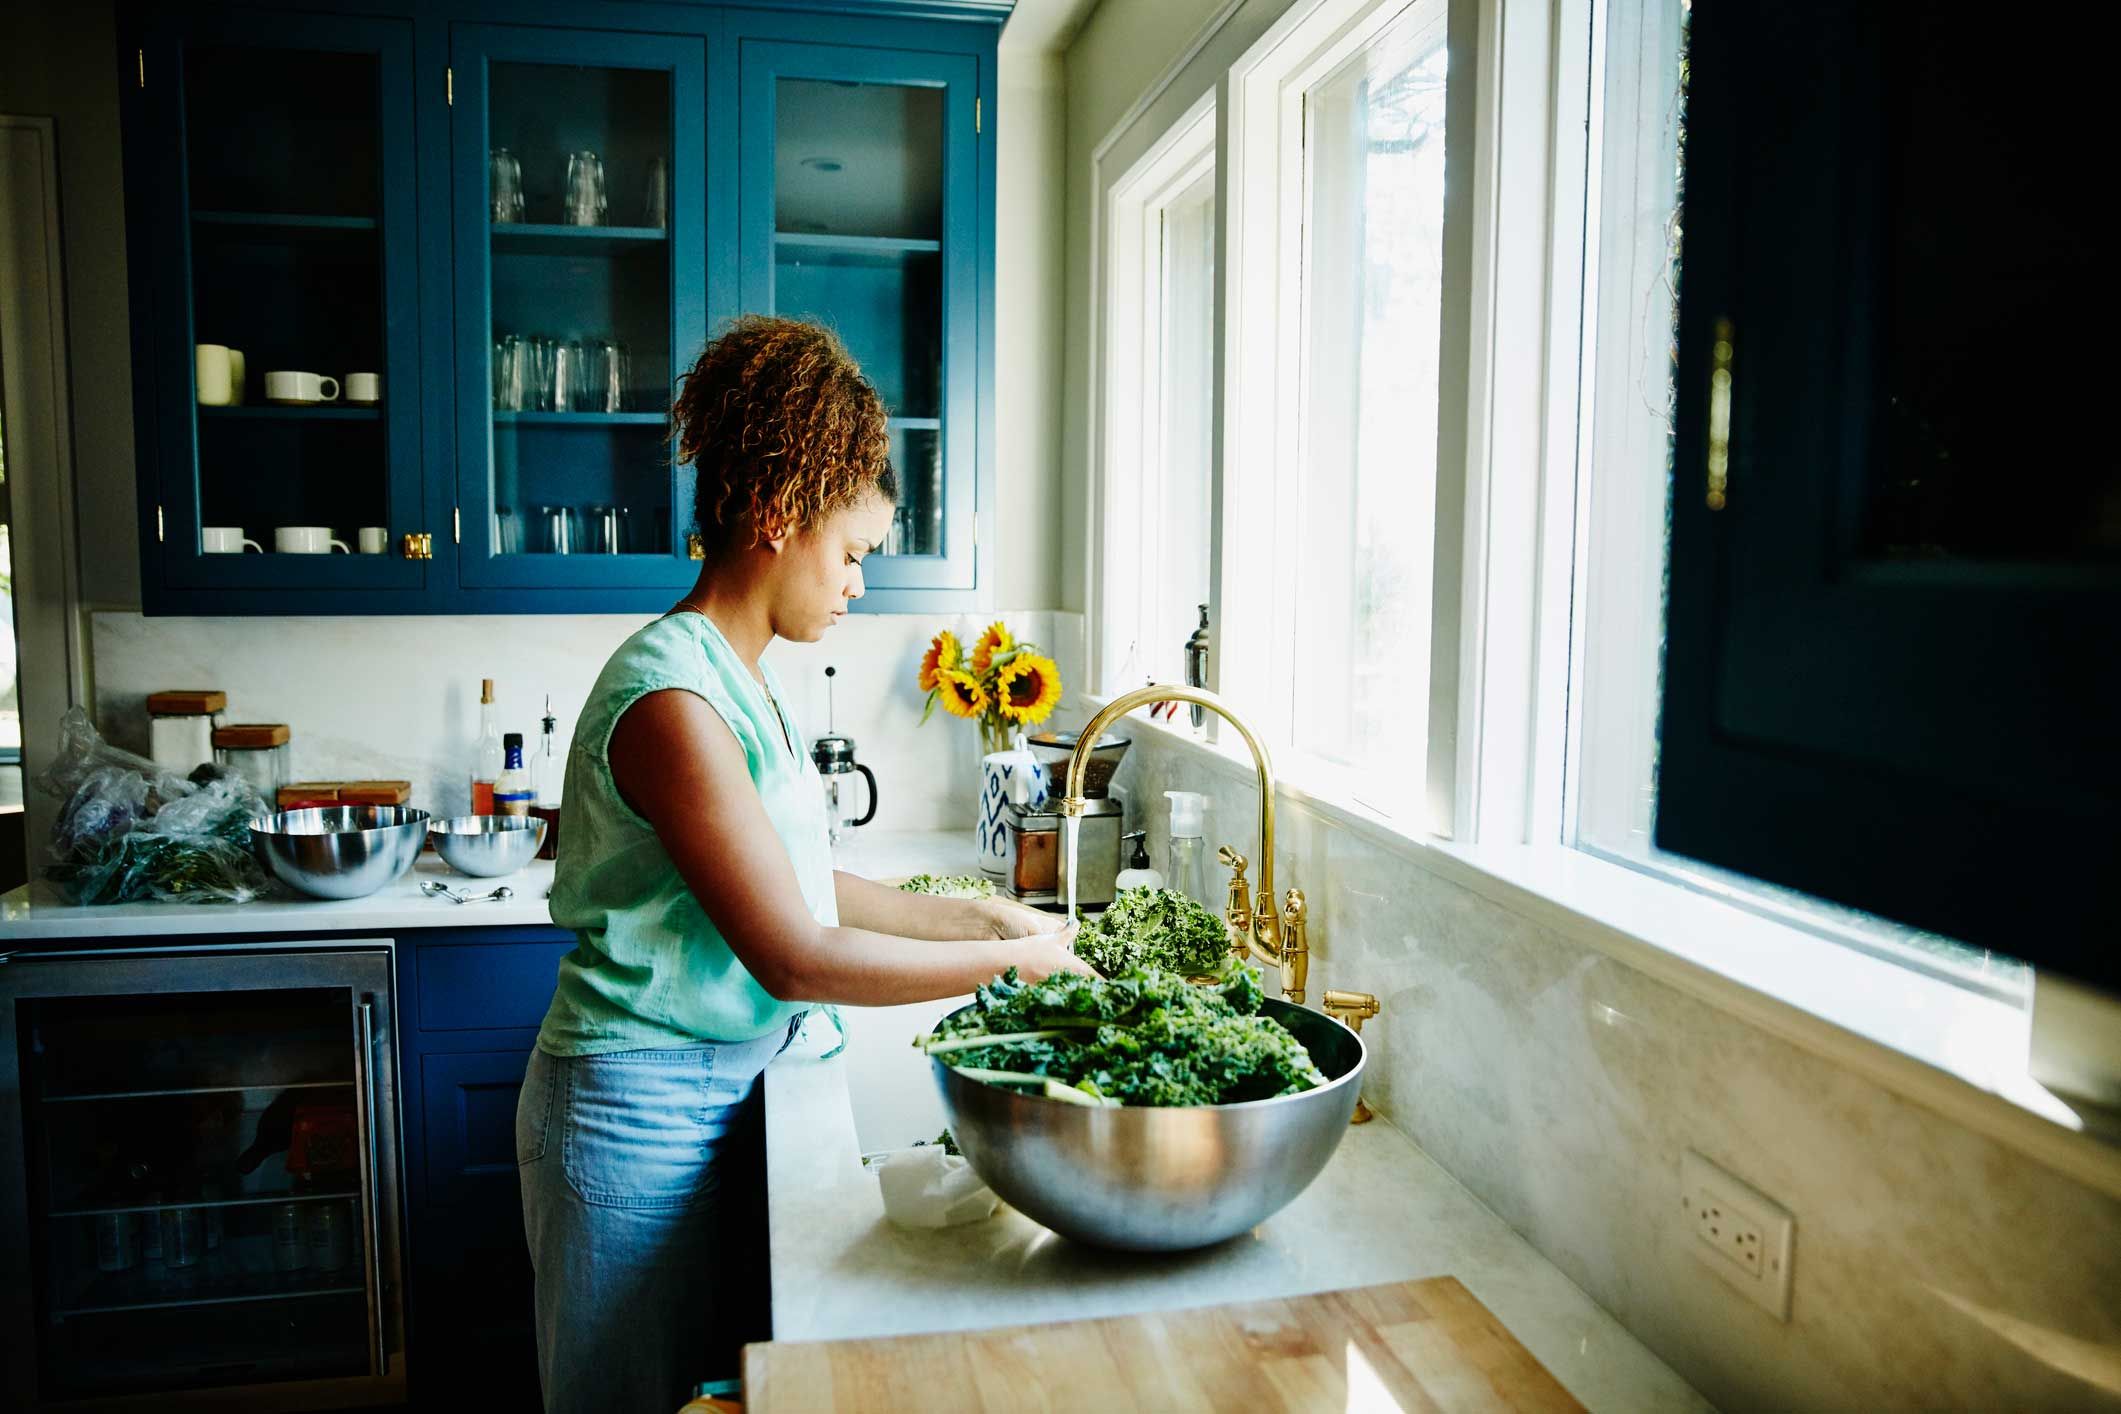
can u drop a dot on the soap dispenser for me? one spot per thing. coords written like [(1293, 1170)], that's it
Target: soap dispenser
[(1137, 874)]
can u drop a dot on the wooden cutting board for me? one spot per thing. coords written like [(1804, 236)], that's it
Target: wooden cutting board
[(1418, 1345)]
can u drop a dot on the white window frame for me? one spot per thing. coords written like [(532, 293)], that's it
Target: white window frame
[(1131, 473), (1508, 519)]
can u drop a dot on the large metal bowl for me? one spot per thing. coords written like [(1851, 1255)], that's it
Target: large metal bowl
[(339, 851), (1158, 1180), (488, 846)]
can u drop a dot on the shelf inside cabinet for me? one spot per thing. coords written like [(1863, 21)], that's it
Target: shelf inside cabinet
[(580, 419), (264, 224), (241, 1269), (274, 412), (820, 249), (538, 238), (248, 1200)]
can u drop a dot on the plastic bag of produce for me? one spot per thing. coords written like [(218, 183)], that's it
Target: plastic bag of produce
[(129, 830)]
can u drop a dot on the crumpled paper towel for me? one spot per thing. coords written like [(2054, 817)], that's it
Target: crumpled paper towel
[(926, 1186)]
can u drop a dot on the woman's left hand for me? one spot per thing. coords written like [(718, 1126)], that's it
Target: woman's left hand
[(1013, 920)]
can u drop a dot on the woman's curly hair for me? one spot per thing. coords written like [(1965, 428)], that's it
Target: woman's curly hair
[(783, 429)]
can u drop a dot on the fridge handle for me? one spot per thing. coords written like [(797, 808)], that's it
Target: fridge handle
[(378, 1354)]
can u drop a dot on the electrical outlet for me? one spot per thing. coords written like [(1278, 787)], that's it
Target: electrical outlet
[(1746, 1237)]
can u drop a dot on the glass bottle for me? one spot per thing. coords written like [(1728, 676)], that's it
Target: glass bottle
[(1189, 870), (548, 777), (511, 790), (490, 759)]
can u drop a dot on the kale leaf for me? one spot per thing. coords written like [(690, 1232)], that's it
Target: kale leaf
[(1146, 1037), (1147, 927)]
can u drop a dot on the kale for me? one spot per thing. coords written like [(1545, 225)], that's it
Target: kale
[(948, 886), (1146, 1037), (1146, 927)]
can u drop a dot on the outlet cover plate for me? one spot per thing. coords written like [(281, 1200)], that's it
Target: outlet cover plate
[(1744, 1236)]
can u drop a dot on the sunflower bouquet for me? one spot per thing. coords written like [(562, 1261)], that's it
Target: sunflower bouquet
[(1002, 684)]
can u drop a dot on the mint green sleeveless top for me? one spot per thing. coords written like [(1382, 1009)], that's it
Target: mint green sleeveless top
[(649, 969)]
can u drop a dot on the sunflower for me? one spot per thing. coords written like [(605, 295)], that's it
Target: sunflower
[(1027, 688), (942, 653), (996, 640), (960, 692)]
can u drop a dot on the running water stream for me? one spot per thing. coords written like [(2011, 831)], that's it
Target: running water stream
[(1071, 830)]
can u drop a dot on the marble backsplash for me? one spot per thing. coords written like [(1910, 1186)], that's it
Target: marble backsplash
[(1934, 1268), (397, 698)]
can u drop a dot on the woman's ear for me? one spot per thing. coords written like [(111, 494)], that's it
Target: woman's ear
[(772, 533)]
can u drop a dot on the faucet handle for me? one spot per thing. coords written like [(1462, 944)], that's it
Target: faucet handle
[(1238, 910), (1351, 1009)]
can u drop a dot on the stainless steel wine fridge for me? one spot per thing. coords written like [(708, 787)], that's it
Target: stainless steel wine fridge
[(199, 1201)]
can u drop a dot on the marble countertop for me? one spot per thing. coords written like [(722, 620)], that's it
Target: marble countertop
[(38, 910), (1382, 1211)]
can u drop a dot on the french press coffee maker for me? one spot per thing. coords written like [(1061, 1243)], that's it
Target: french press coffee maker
[(833, 755)]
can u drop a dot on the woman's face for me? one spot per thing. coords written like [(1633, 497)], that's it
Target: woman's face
[(818, 572)]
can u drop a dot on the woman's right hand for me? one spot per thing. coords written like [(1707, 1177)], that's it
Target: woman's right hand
[(1037, 958)]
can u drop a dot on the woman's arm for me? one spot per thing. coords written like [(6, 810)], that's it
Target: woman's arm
[(676, 762), (864, 903)]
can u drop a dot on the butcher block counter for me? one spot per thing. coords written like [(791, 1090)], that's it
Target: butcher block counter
[(1426, 1345)]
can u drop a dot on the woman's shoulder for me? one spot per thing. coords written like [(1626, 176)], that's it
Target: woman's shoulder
[(667, 653)]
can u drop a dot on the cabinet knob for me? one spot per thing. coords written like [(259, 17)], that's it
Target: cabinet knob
[(419, 545), (694, 547)]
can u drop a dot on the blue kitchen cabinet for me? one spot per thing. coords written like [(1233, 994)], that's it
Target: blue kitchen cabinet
[(864, 203), (318, 191), (579, 202), (472, 1001), (273, 212)]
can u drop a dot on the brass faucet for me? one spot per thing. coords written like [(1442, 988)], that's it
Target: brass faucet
[(1277, 937), (1351, 1009)]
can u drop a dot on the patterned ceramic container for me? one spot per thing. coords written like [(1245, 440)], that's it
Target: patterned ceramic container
[(1004, 776)]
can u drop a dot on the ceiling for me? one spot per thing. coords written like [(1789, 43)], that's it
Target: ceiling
[(1044, 26)]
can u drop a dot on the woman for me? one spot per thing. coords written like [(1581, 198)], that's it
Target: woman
[(698, 876)]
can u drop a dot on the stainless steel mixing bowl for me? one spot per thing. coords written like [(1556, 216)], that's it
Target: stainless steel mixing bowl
[(488, 846), (1158, 1180), (339, 851)]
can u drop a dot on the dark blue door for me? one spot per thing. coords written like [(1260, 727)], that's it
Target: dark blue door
[(859, 174), (279, 223), (579, 227)]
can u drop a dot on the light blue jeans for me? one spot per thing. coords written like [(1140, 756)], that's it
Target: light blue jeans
[(644, 1204)]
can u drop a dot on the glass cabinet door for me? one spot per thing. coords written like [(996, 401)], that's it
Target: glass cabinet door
[(202, 1192), (858, 210), (579, 164), (284, 341)]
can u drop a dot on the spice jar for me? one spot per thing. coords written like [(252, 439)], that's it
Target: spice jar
[(258, 752)]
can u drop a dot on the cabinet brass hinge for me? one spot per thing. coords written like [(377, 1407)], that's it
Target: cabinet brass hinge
[(976, 113), (449, 85), (456, 525), (140, 56), (158, 525)]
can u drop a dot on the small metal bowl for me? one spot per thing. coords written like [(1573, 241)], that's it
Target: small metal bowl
[(339, 851), (488, 846)]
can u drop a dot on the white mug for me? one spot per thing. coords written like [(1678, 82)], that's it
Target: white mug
[(364, 388), (373, 539), (285, 386), (210, 363), (306, 540), (235, 377), (226, 540)]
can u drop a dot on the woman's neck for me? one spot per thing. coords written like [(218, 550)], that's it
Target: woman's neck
[(737, 612)]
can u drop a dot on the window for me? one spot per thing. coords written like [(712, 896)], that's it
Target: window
[(1373, 152), (1623, 584), (1160, 404)]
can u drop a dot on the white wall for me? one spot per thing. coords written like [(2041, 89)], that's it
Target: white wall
[(374, 698)]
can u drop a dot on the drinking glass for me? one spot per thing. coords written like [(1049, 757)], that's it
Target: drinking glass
[(616, 371), (655, 211), (585, 189), (585, 382), (563, 371), (507, 186), (508, 373), (507, 531), (536, 366), (604, 530), (555, 530)]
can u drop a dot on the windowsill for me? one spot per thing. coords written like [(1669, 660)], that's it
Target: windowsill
[(1941, 1045)]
